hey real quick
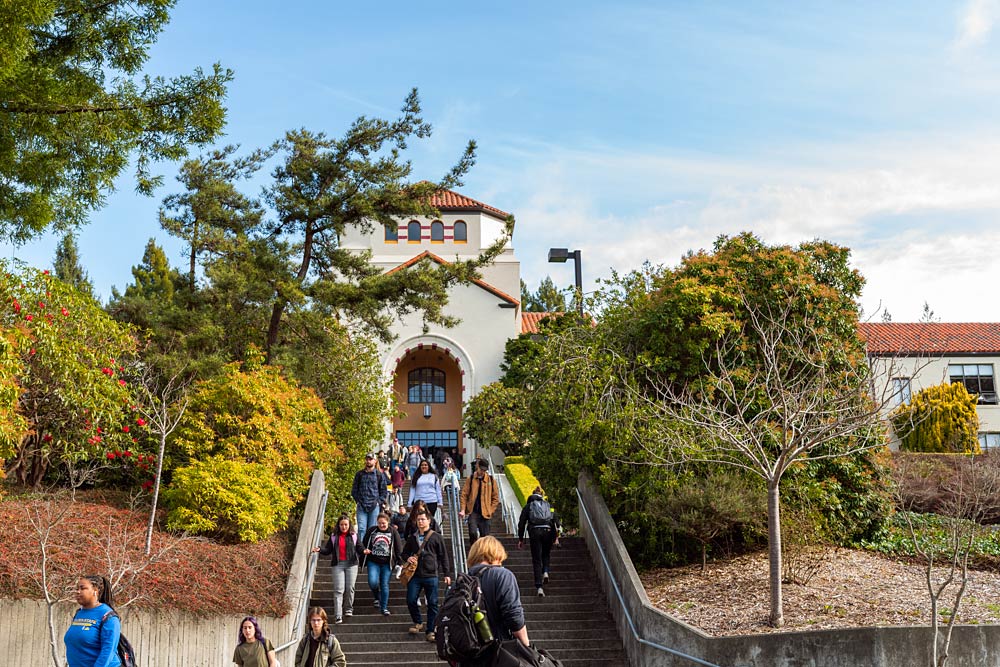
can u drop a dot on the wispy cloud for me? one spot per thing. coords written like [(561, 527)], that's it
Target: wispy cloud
[(920, 216), (976, 21)]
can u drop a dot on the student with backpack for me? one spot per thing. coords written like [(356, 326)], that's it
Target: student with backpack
[(92, 637), (539, 523), (427, 550), (319, 648)]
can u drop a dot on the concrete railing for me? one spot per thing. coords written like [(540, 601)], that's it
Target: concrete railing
[(647, 631), (171, 639)]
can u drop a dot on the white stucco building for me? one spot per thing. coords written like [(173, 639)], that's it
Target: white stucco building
[(909, 357), (434, 373)]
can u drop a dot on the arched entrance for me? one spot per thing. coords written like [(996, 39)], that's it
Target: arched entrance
[(429, 387)]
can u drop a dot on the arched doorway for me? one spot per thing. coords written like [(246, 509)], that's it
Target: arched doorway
[(429, 385)]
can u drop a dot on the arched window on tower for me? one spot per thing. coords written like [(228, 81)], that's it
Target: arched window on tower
[(461, 232), (425, 385), (437, 232), (413, 232), (391, 233)]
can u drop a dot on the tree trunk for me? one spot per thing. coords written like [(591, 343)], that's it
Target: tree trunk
[(777, 619), (156, 491)]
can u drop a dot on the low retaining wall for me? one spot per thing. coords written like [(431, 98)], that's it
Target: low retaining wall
[(972, 645), (165, 639)]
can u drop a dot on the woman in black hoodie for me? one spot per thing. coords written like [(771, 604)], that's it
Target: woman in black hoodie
[(342, 547)]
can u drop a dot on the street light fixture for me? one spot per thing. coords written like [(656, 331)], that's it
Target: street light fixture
[(559, 256)]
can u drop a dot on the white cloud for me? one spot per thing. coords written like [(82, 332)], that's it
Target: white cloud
[(975, 23), (919, 215)]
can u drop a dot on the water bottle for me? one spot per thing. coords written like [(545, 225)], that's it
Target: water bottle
[(483, 627)]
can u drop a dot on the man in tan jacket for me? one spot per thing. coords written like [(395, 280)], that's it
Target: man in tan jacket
[(479, 500)]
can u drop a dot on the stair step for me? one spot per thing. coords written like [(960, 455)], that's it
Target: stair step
[(572, 620)]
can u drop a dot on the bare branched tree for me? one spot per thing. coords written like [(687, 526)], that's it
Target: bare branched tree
[(121, 544), (161, 401), (780, 391), (971, 496), (55, 584)]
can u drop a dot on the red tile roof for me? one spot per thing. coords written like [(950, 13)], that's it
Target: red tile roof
[(529, 321), (931, 337), (446, 200), (485, 285)]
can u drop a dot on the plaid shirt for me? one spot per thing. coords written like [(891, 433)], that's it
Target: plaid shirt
[(369, 489)]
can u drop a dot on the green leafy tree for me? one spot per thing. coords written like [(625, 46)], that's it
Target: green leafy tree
[(322, 188), (67, 364), (548, 298), (184, 334), (67, 266), (75, 108), (941, 418), (745, 357), (345, 372), (494, 416)]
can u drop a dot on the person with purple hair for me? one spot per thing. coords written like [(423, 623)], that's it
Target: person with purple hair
[(253, 649)]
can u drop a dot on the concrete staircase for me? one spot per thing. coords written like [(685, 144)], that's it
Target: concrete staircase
[(571, 621)]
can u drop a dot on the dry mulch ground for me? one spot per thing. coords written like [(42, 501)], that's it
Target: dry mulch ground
[(98, 534), (850, 588)]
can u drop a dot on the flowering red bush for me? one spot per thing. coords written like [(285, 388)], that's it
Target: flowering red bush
[(197, 575)]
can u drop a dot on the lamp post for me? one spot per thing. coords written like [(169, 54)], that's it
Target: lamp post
[(559, 256)]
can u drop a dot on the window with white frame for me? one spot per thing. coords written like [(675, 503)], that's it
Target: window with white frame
[(989, 440), (977, 378), (901, 391)]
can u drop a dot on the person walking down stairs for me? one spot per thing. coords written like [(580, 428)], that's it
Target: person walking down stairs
[(426, 548), (541, 525), (479, 500)]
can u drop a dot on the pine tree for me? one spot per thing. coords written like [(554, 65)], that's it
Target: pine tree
[(66, 266)]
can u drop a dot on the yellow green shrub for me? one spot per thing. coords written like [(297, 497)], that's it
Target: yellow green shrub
[(521, 479), (942, 419), (232, 499)]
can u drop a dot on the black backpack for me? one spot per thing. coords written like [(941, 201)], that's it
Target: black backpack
[(455, 631), (539, 513), (125, 651)]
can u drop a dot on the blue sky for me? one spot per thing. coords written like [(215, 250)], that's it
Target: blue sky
[(638, 131)]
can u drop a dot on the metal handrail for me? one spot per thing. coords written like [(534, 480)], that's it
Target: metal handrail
[(508, 519), (621, 598), (307, 583), (455, 528)]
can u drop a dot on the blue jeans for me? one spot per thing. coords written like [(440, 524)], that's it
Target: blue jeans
[(366, 519), (378, 581), (430, 587)]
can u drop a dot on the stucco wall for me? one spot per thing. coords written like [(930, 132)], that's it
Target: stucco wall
[(930, 371)]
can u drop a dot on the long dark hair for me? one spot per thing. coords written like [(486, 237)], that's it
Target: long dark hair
[(419, 472), (258, 633), (103, 586)]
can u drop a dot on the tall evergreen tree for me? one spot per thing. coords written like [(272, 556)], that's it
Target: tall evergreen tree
[(67, 268), (211, 214), (548, 298), (74, 108)]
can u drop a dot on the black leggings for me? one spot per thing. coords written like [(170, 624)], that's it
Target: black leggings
[(540, 540)]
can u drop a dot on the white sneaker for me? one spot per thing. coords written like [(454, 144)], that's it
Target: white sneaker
[(545, 578), (541, 592)]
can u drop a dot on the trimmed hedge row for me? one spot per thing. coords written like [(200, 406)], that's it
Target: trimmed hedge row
[(521, 479)]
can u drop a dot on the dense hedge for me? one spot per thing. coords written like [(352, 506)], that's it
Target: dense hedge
[(521, 479)]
